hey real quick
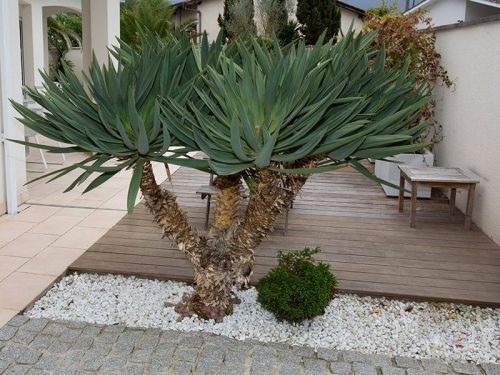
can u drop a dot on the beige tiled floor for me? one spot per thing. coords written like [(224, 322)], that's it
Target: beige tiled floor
[(27, 245), (52, 230), (20, 288), (9, 264), (80, 237), (51, 261)]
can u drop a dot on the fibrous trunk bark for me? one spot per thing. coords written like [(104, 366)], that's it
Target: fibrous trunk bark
[(271, 197), (212, 257), (225, 256), (213, 297)]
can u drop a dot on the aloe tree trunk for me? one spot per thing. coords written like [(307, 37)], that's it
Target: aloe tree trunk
[(225, 256)]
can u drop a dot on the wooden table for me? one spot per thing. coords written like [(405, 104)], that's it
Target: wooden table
[(450, 178)]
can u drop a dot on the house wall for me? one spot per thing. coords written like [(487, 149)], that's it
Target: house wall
[(10, 88), (475, 11), (3, 193), (470, 114), (75, 55), (445, 12), (349, 17), (210, 10)]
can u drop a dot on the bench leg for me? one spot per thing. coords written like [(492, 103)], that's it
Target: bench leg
[(207, 212), (453, 196), (286, 222), (413, 212), (470, 204), (401, 192)]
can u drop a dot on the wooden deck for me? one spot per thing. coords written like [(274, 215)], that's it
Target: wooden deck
[(368, 244)]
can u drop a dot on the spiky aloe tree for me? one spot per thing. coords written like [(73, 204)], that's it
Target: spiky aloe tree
[(270, 118)]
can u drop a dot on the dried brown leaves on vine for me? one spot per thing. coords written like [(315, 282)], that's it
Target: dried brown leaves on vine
[(411, 36)]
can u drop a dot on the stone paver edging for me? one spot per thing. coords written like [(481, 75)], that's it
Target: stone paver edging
[(41, 346)]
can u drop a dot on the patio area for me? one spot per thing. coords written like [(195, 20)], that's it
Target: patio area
[(52, 230), (367, 242)]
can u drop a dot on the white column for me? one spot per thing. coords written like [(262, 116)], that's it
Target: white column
[(101, 27), (33, 42), (12, 155), (45, 44)]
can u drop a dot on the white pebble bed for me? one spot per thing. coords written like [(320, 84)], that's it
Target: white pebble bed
[(370, 325)]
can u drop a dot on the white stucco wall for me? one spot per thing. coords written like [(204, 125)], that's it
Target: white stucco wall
[(349, 17), (3, 193), (470, 115), (210, 10), (475, 11), (75, 55), (445, 12), (10, 88)]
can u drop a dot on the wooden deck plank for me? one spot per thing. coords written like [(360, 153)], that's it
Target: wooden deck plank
[(367, 242)]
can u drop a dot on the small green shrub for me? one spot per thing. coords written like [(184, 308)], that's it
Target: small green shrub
[(297, 289)]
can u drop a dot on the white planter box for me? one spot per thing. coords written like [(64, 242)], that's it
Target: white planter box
[(390, 172)]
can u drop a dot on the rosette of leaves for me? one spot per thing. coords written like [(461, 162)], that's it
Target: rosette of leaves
[(277, 109), (268, 116), (116, 114)]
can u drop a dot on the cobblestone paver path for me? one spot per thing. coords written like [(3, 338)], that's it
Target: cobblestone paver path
[(41, 346)]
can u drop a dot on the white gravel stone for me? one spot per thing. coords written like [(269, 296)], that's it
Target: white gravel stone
[(450, 332)]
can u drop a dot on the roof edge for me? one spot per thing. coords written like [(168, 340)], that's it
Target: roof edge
[(352, 8), (487, 3), (418, 6), (478, 21)]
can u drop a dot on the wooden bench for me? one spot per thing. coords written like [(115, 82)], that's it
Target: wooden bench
[(450, 178)]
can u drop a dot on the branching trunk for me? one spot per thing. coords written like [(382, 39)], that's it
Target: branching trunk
[(228, 199), (212, 257), (273, 195), (214, 276), (168, 215), (225, 256)]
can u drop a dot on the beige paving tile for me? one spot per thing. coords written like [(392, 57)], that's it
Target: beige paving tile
[(119, 201), (6, 315), (35, 214), (58, 198), (57, 224), (43, 190), (11, 229), (9, 264), (83, 202), (100, 194), (20, 289), (103, 219), (76, 211), (27, 245), (80, 237), (51, 261)]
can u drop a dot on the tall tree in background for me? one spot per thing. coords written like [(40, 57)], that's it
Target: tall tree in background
[(273, 16), (225, 18), (237, 19), (316, 16), (153, 15)]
